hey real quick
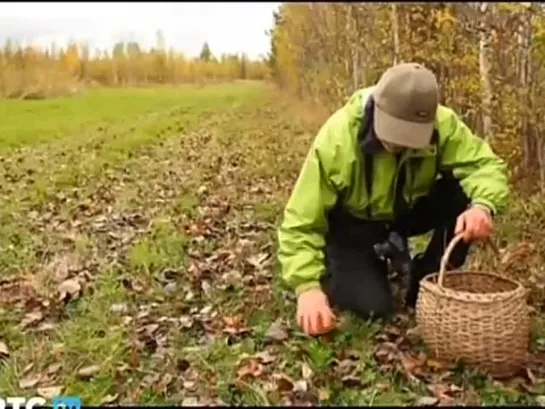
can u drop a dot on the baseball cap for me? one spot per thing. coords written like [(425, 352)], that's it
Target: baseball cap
[(406, 100)]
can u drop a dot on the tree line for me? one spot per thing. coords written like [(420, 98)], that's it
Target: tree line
[(31, 72), (488, 57)]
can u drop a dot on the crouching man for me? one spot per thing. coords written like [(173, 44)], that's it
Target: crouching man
[(390, 164)]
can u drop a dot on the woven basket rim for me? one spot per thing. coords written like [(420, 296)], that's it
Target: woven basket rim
[(467, 296)]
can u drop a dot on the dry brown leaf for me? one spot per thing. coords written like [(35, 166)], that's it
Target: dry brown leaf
[(392, 330), (306, 371), (413, 333), (277, 331), (89, 371), (283, 383), (49, 392), (455, 388), (300, 386), (446, 401), (435, 365), (383, 386), (426, 401), (4, 350), (29, 382), (259, 260), (411, 365), (45, 326), (323, 395), (531, 376), (265, 357), (470, 397), (118, 308), (109, 399), (351, 381), (439, 390), (32, 318), (191, 401), (53, 369), (251, 368), (70, 287)]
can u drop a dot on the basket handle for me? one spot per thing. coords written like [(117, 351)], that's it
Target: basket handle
[(450, 248)]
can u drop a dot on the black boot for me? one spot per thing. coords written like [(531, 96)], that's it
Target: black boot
[(420, 267)]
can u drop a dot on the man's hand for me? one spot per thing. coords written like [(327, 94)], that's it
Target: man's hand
[(475, 223), (313, 313)]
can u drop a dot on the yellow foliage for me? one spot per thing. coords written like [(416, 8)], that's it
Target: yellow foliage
[(35, 73), (325, 51)]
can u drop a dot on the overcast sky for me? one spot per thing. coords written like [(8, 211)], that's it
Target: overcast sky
[(228, 27)]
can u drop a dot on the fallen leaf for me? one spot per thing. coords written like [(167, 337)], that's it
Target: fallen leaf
[(455, 388), (170, 288), (383, 386), (392, 330), (413, 334), (53, 369), (531, 376), (410, 365), (265, 357), (258, 261), (434, 364), (150, 329), (206, 310), (49, 392), (29, 382), (118, 308), (426, 401), (277, 331), (186, 321), (351, 381), (446, 401), (31, 318), (439, 390), (45, 326), (190, 401), (300, 386), (283, 383), (202, 190), (109, 399), (69, 289), (323, 395), (206, 287), (252, 368), (4, 349), (306, 371), (89, 371), (470, 397)]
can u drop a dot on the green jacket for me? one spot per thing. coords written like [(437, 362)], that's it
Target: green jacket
[(335, 165)]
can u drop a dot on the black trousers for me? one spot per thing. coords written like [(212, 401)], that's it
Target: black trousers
[(357, 280)]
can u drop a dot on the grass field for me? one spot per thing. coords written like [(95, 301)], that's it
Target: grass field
[(137, 239)]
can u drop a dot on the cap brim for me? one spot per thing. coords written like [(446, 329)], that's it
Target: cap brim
[(400, 132)]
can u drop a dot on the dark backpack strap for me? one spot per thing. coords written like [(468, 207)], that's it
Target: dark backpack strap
[(363, 137)]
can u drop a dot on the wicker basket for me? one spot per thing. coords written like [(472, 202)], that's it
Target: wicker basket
[(480, 319)]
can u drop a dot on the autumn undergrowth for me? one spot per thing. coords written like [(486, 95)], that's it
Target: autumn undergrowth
[(137, 237)]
